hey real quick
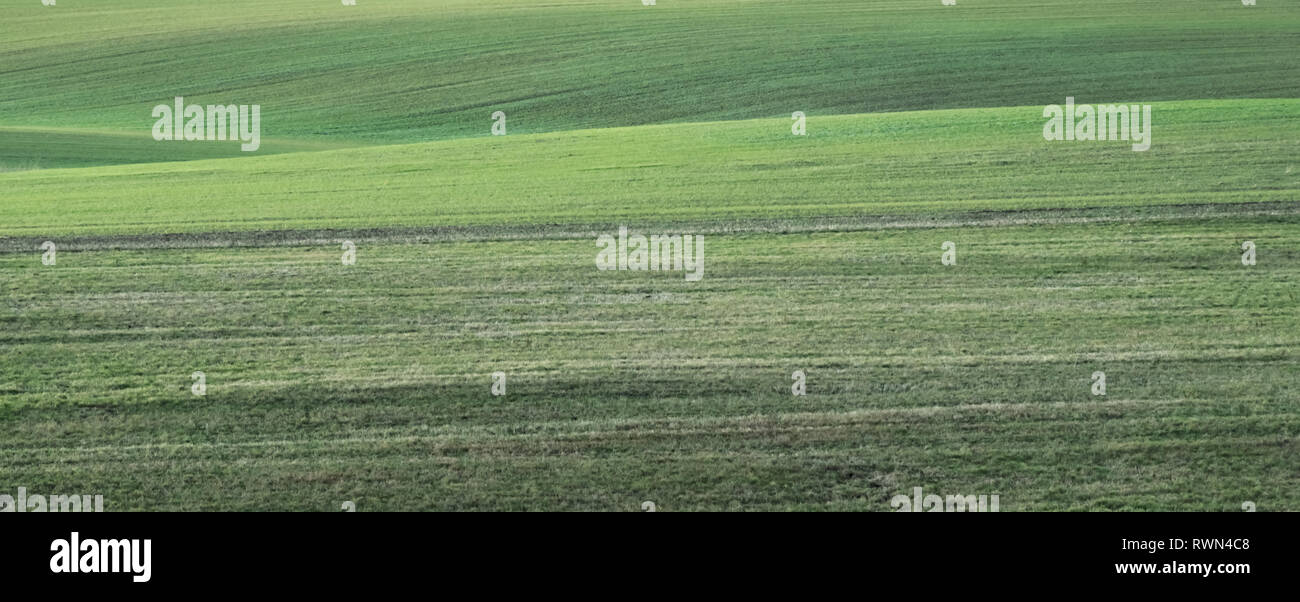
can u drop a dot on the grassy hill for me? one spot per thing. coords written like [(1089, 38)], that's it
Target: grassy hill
[(475, 254), (415, 71), (737, 174)]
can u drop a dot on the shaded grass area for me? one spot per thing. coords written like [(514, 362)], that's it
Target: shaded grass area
[(23, 149)]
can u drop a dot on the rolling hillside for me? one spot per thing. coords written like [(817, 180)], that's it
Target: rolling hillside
[(417, 71), (477, 254)]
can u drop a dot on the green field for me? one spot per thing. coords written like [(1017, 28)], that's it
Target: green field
[(476, 254)]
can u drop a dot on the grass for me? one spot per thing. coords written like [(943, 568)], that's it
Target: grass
[(28, 149), (413, 71), (914, 163), (371, 382), (475, 254)]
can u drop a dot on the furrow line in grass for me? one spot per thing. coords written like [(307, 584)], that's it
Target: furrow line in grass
[(661, 426), (1172, 213), (524, 448)]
